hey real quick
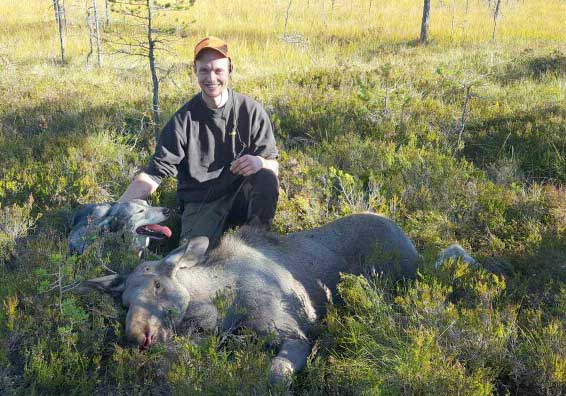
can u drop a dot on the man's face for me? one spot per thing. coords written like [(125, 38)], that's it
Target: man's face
[(213, 74)]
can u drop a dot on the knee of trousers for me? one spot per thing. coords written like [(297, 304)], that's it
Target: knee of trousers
[(265, 183)]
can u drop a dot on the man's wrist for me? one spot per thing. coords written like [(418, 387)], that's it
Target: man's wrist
[(270, 164), (263, 162), (140, 188)]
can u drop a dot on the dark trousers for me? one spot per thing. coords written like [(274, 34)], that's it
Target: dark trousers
[(254, 203)]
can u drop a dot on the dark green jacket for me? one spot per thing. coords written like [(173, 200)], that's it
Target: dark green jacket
[(198, 144)]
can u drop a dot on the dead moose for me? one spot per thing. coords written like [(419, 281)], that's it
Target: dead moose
[(280, 283)]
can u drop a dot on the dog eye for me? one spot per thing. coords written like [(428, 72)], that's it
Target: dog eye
[(157, 285)]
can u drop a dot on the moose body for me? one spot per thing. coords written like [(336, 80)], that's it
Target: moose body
[(276, 285)]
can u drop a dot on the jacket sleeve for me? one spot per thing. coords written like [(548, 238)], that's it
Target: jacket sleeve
[(262, 139), (170, 150)]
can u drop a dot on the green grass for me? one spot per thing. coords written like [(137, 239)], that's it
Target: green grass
[(366, 120)]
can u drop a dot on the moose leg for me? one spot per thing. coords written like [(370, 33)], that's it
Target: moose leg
[(291, 358)]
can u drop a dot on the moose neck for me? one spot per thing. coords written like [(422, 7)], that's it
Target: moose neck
[(202, 282)]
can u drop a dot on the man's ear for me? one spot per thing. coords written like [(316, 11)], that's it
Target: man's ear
[(111, 284)]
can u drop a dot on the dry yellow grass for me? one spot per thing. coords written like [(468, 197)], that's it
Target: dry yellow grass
[(324, 34), (320, 36)]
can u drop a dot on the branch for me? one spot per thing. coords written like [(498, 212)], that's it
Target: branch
[(132, 53), (132, 14), (167, 73), (139, 44), (128, 3)]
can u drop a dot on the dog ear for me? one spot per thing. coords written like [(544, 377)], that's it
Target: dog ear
[(111, 284), (90, 213), (111, 224), (185, 256)]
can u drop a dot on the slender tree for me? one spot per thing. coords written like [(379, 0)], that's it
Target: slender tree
[(89, 23), (424, 23), (496, 9), (287, 15), (97, 32), (60, 19), (152, 42), (107, 12)]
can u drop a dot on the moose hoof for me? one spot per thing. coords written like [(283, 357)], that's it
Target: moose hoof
[(281, 371)]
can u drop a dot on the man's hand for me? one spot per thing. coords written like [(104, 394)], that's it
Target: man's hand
[(247, 165)]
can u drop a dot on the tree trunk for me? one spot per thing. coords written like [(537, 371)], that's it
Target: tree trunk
[(153, 69), (107, 12), (495, 16), (424, 24), (287, 15), (90, 34), (59, 17), (63, 14), (97, 31)]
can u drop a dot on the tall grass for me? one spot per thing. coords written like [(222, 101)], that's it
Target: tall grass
[(329, 35), (366, 120)]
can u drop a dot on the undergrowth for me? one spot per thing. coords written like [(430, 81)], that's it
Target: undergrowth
[(459, 141)]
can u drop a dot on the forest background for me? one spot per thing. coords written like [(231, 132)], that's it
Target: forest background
[(459, 140)]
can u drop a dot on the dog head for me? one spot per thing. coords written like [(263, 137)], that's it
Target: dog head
[(135, 218)]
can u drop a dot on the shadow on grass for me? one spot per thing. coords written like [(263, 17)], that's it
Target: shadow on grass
[(539, 276), (535, 67), (62, 117), (536, 139)]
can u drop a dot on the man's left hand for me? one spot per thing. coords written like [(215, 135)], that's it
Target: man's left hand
[(247, 165)]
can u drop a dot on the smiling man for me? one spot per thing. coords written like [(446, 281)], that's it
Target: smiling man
[(220, 147)]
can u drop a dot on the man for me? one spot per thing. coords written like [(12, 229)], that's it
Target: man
[(221, 148)]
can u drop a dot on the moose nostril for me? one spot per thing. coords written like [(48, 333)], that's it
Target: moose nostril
[(147, 341)]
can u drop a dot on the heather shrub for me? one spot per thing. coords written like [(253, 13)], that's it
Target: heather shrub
[(462, 140)]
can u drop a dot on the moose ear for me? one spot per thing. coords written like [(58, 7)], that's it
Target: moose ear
[(111, 284), (186, 256), (198, 247)]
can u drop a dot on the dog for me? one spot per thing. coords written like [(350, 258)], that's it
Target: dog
[(135, 218)]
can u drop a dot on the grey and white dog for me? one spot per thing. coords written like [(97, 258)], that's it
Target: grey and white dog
[(136, 218)]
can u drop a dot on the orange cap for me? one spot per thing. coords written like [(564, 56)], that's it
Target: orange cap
[(213, 43)]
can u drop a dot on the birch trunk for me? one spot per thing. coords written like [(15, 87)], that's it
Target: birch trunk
[(97, 31), (425, 21), (59, 17)]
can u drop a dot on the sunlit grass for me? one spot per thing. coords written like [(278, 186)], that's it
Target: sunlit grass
[(326, 35), (355, 102)]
